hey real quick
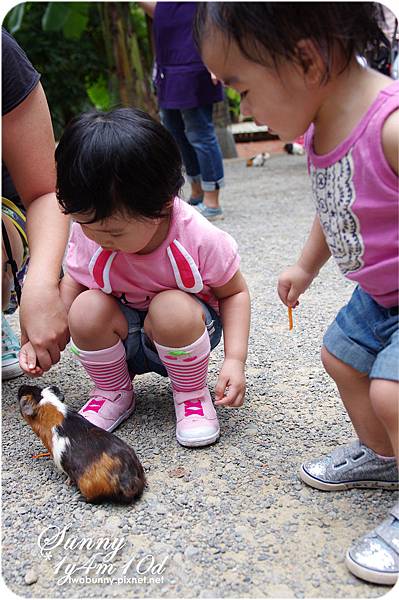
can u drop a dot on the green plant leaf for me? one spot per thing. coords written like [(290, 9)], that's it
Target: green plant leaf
[(14, 18), (99, 94), (77, 20), (56, 15)]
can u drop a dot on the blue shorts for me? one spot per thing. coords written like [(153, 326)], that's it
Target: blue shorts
[(365, 335), (141, 353)]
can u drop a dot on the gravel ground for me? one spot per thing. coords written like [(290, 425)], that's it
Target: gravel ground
[(231, 520)]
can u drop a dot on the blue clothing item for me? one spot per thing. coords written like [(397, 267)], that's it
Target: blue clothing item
[(141, 354), (181, 78), (365, 335), (195, 135)]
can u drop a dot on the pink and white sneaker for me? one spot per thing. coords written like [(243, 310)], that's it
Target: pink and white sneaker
[(196, 420), (108, 408)]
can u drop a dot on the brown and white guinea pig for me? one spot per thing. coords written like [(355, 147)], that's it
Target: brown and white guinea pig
[(103, 466)]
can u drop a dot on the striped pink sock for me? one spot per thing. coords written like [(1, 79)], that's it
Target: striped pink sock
[(187, 367), (107, 368)]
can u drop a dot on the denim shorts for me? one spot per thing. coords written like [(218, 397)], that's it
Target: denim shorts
[(141, 353), (365, 335)]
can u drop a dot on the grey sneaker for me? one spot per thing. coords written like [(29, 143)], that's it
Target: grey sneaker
[(375, 556), (212, 214), (349, 466)]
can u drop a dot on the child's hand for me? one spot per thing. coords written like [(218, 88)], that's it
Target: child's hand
[(230, 388), (28, 362), (292, 283)]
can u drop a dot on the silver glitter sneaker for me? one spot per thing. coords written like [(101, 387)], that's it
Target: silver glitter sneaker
[(375, 556), (349, 466)]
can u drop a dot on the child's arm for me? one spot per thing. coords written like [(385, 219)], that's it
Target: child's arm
[(69, 290), (296, 279), (235, 310)]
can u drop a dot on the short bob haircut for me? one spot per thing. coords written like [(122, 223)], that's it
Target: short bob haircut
[(117, 162), (268, 32)]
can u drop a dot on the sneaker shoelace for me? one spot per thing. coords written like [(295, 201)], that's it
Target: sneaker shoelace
[(193, 407), (95, 404)]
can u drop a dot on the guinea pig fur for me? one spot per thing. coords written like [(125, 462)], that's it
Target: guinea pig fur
[(103, 466)]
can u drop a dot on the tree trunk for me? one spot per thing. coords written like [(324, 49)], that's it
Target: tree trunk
[(129, 82), (221, 120)]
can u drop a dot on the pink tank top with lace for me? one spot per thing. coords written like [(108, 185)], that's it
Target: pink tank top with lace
[(356, 195)]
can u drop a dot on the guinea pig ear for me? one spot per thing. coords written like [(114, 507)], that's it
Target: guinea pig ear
[(28, 408)]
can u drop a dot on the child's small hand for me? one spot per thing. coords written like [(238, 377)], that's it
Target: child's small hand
[(28, 361), (230, 388), (292, 283)]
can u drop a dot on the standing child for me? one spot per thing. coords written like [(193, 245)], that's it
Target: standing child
[(295, 66), (150, 282)]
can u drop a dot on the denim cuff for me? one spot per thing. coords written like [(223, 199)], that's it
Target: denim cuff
[(347, 350), (193, 178), (210, 186)]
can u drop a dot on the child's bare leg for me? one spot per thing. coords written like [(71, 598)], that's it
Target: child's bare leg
[(174, 319), (354, 389), (384, 396), (95, 321)]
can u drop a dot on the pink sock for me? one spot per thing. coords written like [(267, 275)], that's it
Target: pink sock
[(107, 368), (187, 367)]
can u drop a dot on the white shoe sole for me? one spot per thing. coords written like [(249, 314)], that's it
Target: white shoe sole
[(195, 443), (11, 371), (369, 574), (328, 487)]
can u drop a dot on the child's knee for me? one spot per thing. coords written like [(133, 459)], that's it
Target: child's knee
[(92, 310), (337, 369), (175, 310), (384, 397)]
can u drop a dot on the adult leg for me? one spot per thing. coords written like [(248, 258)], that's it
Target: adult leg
[(200, 132), (17, 250), (9, 342), (97, 328), (173, 121)]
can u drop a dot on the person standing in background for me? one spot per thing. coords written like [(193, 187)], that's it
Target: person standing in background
[(186, 93)]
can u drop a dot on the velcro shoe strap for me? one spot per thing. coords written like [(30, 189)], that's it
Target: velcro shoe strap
[(180, 397), (107, 394), (389, 534), (395, 511)]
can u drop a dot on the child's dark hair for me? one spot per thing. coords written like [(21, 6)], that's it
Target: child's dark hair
[(122, 161), (270, 31)]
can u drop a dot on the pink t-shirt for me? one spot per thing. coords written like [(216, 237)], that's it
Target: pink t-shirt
[(356, 195), (195, 257)]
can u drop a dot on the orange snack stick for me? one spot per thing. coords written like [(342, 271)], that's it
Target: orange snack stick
[(290, 320), (41, 455)]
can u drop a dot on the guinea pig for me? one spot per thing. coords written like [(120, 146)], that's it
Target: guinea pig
[(103, 466)]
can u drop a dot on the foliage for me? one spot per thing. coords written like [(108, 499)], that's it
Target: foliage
[(71, 47), (70, 67), (234, 104)]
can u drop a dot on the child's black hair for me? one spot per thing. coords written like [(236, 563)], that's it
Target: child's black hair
[(122, 161), (270, 31)]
